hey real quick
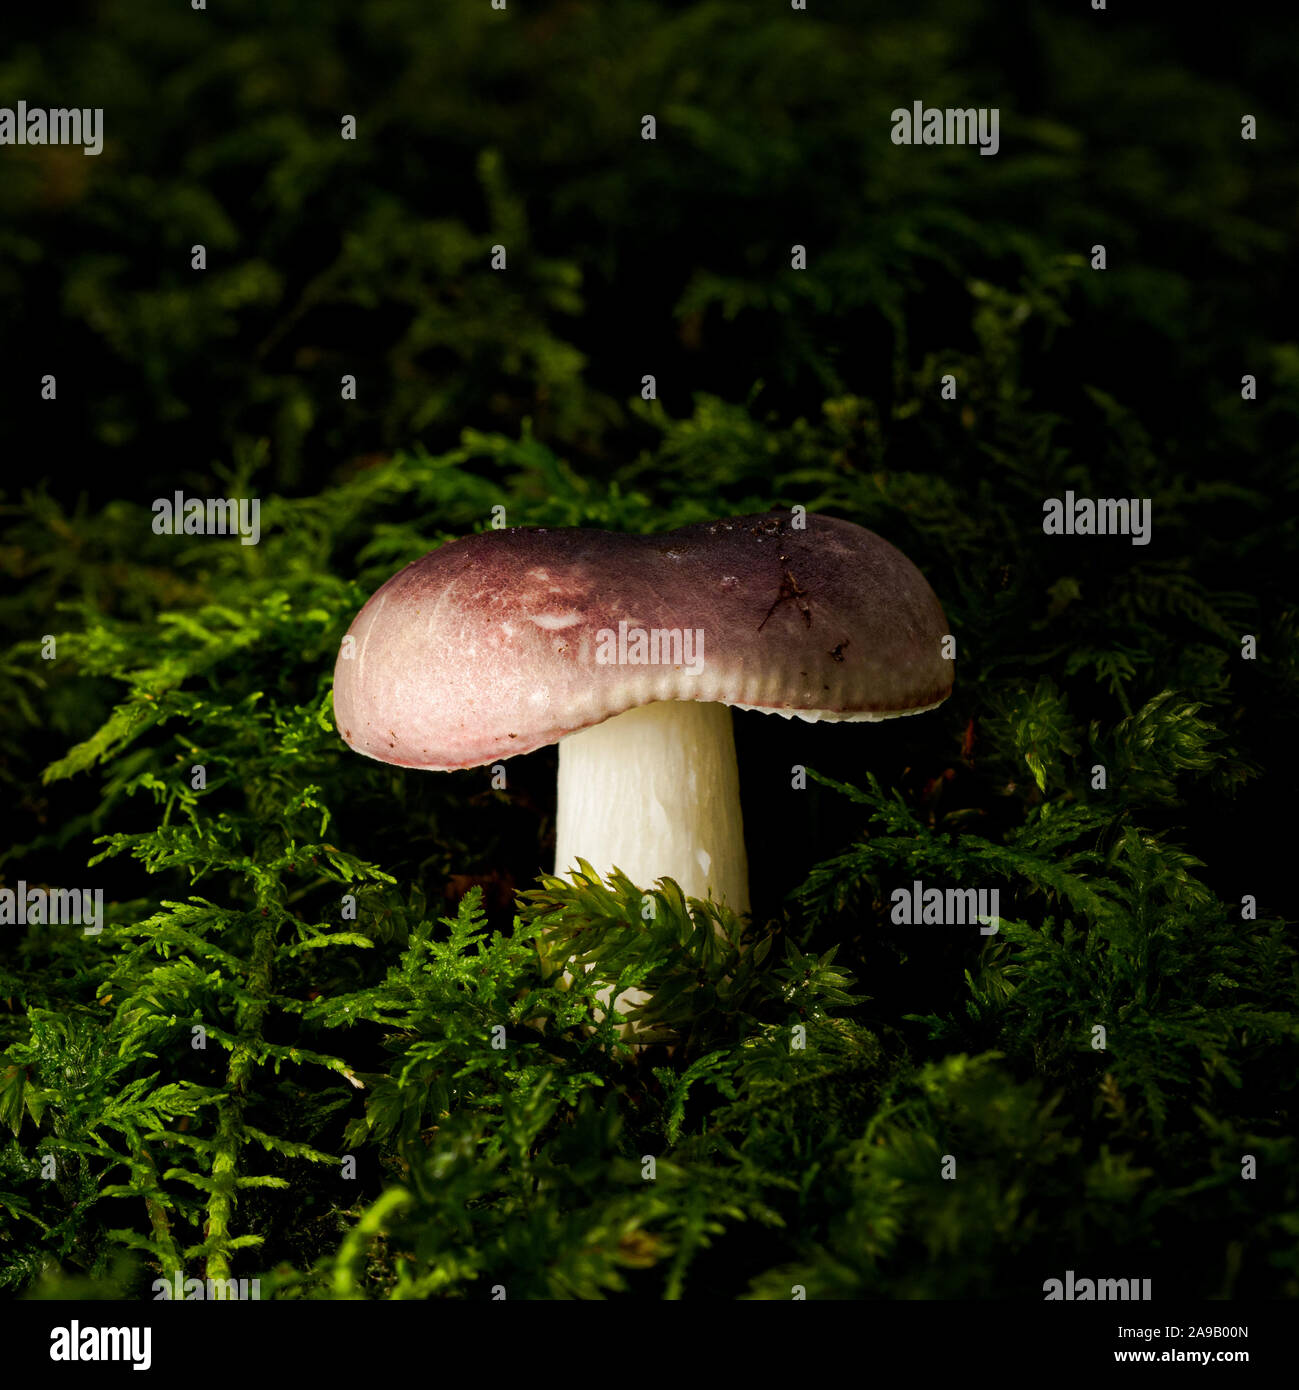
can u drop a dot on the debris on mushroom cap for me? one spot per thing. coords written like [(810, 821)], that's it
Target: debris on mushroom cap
[(492, 646)]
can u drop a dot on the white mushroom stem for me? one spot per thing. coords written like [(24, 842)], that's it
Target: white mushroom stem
[(655, 792)]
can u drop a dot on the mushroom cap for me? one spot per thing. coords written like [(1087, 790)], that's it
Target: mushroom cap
[(500, 643)]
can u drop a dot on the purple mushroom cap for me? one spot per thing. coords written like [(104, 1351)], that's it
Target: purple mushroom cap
[(501, 643)]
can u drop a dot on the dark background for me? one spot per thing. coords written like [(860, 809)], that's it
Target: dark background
[(371, 257)]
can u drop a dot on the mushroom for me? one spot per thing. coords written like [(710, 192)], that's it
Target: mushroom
[(625, 649)]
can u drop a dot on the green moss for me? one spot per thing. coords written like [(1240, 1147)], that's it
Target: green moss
[(351, 1121)]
